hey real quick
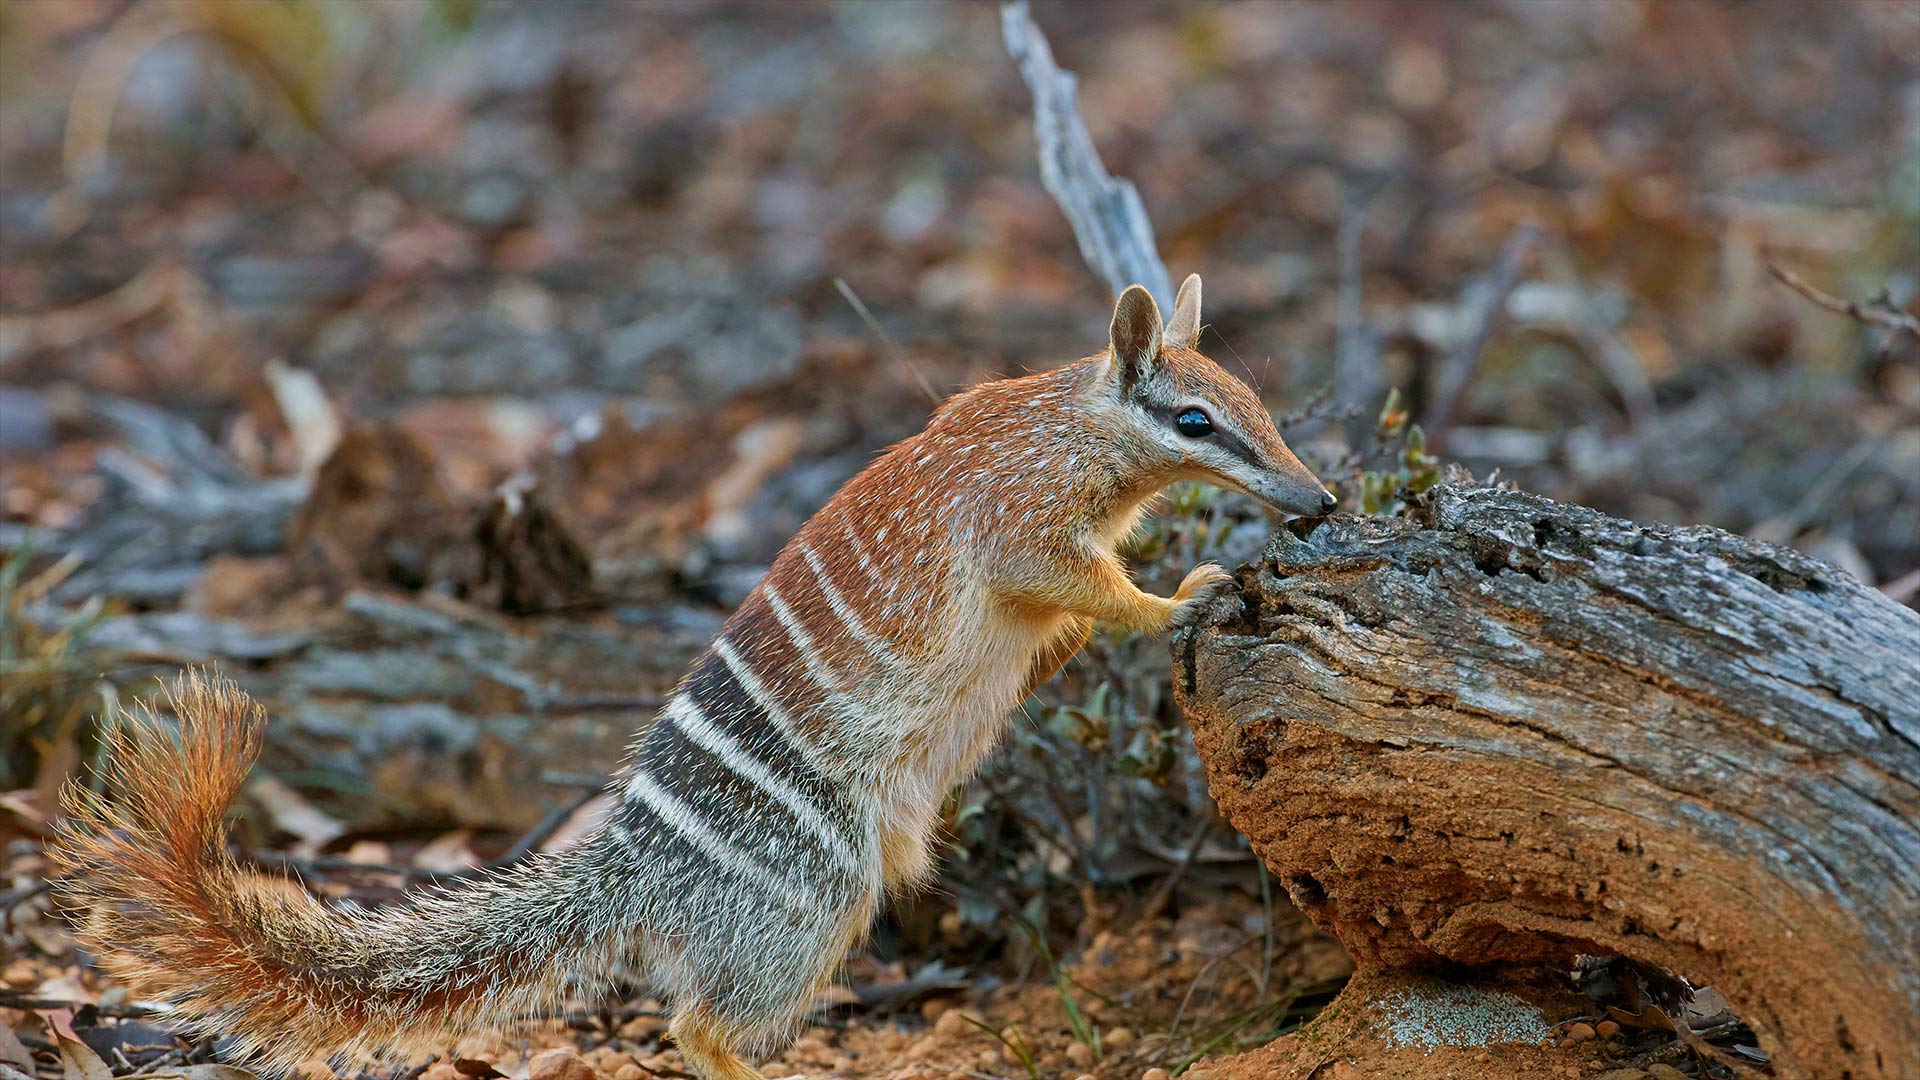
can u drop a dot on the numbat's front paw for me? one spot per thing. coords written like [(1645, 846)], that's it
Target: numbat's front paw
[(1199, 590)]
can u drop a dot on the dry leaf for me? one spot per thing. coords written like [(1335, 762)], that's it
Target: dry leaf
[(291, 812), (77, 1059), (310, 417), (448, 853), (14, 1052), (580, 823)]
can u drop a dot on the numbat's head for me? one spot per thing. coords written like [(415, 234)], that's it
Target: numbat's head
[(1188, 418)]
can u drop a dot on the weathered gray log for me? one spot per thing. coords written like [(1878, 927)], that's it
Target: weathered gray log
[(1505, 730), (428, 710)]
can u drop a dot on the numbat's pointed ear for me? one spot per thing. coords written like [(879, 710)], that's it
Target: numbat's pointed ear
[(1135, 335), (1184, 330)]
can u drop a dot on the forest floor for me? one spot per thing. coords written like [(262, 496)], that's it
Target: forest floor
[(445, 374)]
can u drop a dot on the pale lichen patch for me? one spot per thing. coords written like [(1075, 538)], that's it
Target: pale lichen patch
[(1433, 1014)]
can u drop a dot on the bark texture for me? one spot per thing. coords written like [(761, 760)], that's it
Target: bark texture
[(1500, 729)]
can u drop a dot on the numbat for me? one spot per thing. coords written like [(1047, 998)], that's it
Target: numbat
[(794, 777)]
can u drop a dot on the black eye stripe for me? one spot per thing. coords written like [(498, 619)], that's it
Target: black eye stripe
[(1221, 437)]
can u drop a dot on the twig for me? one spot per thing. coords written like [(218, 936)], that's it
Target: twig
[(540, 834), (14, 999), (172, 1057), (1879, 311), (1357, 345), (1485, 300), (1108, 218), (22, 895), (1160, 895), (1903, 588), (880, 332), (1600, 343), (152, 288)]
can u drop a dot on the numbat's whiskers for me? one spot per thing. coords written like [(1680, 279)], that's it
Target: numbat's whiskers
[(792, 779)]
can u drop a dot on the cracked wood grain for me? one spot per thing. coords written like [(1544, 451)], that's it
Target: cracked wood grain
[(1506, 730)]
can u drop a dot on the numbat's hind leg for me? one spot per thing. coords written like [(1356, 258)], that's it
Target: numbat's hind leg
[(707, 1044)]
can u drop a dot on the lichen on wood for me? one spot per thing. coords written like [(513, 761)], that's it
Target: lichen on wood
[(1503, 730)]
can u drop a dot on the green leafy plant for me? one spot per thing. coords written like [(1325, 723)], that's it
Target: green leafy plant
[(1408, 468)]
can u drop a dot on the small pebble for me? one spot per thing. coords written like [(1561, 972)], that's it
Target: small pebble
[(923, 1049), (1579, 1032), (1155, 1073), (608, 1060), (1080, 1053), (630, 1071), (812, 1046), (953, 1024), (1606, 1029), (561, 1063), (932, 1008), (1119, 1037)]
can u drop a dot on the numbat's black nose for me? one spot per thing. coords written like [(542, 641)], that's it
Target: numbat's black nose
[(1327, 501)]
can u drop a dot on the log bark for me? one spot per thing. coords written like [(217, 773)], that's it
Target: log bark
[(1502, 730)]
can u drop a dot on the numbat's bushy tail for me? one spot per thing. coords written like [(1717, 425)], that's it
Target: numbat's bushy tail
[(794, 776), (255, 957)]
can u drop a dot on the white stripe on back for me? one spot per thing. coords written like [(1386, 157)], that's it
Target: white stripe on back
[(874, 643), (681, 817), (769, 704), (684, 713), (859, 550), (826, 677)]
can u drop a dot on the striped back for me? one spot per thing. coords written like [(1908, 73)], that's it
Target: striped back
[(869, 670)]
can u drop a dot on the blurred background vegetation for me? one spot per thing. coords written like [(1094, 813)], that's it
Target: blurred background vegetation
[(290, 290)]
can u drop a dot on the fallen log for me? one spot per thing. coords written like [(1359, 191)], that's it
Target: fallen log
[(1502, 731)]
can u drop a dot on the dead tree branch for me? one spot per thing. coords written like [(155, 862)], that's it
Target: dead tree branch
[(1880, 311), (1108, 219), (1486, 301)]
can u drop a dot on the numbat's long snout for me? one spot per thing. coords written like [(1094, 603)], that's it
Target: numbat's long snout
[(795, 775)]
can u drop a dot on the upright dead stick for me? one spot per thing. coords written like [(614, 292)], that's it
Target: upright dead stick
[(1108, 219), (1486, 299)]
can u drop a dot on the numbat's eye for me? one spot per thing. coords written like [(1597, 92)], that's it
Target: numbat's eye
[(1193, 424)]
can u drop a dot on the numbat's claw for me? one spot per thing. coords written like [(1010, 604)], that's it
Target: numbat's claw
[(1199, 590)]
